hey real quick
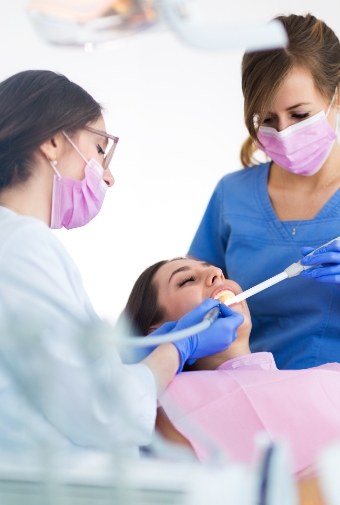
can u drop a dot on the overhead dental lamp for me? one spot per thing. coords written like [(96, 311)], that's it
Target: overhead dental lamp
[(94, 23)]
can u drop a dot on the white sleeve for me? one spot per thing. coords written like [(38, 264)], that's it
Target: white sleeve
[(75, 380), (98, 403), (39, 274)]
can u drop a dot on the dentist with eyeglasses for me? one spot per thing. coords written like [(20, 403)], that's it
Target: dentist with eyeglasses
[(54, 172)]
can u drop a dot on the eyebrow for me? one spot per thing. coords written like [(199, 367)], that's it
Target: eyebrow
[(99, 138), (297, 105), (294, 106), (102, 138), (186, 269)]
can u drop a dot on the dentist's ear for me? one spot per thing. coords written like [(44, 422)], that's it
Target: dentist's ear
[(51, 147)]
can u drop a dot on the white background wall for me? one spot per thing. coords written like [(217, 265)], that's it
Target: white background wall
[(179, 114)]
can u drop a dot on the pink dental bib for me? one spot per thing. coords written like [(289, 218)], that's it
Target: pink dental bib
[(246, 395)]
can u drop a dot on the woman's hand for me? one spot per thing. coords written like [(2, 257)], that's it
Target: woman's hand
[(214, 339), (324, 262)]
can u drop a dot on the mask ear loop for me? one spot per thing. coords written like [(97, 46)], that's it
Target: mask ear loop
[(333, 98), (337, 114), (54, 164), (337, 121), (74, 146)]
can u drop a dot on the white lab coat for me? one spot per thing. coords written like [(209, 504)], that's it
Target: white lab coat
[(66, 385)]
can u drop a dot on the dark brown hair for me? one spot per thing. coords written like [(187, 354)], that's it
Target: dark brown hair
[(34, 106), (142, 309), (312, 45)]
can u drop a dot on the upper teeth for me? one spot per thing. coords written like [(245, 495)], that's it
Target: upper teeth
[(224, 295)]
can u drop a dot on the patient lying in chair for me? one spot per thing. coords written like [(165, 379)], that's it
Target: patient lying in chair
[(233, 395)]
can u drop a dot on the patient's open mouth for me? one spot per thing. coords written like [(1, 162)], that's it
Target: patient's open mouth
[(224, 295)]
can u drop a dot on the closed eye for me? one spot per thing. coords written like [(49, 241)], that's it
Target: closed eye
[(295, 115), (186, 280), (267, 120), (100, 150), (301, 116)]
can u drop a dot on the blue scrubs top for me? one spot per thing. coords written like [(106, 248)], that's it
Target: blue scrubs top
[(298, 319)]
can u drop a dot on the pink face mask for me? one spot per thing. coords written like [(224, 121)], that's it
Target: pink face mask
[(74, 202), (301, 148)]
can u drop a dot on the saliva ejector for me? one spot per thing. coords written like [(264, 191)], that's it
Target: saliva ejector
[(291, 271)]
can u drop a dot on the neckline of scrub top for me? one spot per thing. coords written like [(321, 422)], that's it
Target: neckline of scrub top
[(329, 210)]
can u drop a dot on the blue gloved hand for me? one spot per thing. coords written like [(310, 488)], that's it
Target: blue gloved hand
[(216, 338), (326, 261)]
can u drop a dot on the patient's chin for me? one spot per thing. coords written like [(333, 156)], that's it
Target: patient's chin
[(243, 331)]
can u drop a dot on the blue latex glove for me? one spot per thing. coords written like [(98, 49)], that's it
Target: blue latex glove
[(326, 261), (216, 338)]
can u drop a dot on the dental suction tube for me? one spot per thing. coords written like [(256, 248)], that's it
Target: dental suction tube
[(207, 321)]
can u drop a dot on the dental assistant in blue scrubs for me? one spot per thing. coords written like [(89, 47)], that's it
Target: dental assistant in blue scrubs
[(262, 218)]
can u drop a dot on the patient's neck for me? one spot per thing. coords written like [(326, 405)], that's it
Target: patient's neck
[(236, 349)]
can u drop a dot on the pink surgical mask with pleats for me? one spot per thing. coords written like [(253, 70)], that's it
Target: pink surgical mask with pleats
[(301, 148), (74, 202)]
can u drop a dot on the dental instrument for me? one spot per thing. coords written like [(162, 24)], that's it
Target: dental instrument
[(291, 271), (207, 321)]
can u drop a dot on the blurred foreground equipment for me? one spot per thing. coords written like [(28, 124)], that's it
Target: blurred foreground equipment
[(92, 23)]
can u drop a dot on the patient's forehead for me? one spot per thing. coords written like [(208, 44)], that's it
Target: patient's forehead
[(178, 265)]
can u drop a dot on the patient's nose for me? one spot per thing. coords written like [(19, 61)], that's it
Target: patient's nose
[(214, 275)]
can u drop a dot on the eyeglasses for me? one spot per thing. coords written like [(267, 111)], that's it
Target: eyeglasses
[(110, 149)]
